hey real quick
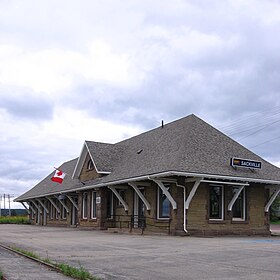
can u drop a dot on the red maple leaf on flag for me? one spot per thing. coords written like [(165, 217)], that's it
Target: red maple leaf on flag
[(58, 176)]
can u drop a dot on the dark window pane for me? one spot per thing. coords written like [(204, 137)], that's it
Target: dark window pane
[(93, 205), (216, 202), (164, 205), (85, 203), (238, 206)]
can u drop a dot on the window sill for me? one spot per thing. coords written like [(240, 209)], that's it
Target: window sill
[(216, 221), (164, 220), (239, 222), (93, 220)]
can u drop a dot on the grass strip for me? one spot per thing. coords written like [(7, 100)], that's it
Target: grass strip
[(14, 220), (76, 273), (275, 222)]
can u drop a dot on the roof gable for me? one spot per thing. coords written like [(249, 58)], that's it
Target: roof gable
[(103, 156)]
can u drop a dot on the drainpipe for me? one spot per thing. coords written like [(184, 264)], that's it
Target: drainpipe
[(185, 216)]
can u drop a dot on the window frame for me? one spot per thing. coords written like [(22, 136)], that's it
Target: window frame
[(85, 206), (122, 194), (90, 164), (159, 209), (243, 219), (222, 202), (93, 210)]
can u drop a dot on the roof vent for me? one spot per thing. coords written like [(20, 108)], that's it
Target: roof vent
[(162, 124), (140, 151)]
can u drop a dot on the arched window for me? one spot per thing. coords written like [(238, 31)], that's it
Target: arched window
[(90, 165)]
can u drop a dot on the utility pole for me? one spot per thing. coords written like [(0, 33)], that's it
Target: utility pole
[(9, 199)]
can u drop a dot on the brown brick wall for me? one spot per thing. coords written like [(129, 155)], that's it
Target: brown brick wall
[(198, 222), (255, 223), (87, 174)]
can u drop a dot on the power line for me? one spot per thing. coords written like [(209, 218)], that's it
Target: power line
[(274, 111), (265, 118), (257, 131), (264, 142)]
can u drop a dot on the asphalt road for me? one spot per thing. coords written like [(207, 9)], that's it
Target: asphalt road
[(121, 256)]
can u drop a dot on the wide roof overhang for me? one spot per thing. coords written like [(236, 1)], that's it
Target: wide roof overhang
[(159, 175)]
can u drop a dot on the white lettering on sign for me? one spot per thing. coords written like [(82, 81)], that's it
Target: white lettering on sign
[(250, 164), (238, 162)]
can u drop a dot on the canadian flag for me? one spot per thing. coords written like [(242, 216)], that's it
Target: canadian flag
[(58, 176)]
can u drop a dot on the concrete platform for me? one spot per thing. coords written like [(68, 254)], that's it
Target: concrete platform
[(123, 256), (275, 229)]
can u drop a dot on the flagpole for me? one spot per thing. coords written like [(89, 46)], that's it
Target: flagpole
[(60, 170)]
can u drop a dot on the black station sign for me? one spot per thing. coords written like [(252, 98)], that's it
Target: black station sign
[(239, 162)]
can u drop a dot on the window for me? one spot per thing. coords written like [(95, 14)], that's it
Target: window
[(216, 203), (163, 205), (85, 206), (122, 194), (90, 165), (93, 205), (239, 206)]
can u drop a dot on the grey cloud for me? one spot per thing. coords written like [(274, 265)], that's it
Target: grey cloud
[(21, 103), (220, 94), (233, 79)]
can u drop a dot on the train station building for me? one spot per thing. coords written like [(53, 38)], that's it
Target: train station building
[(182, 178)]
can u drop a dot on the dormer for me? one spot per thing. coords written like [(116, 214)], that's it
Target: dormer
[(94, 161)]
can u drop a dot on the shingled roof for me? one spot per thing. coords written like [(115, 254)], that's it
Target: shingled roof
[(104, 155), (187, 145), (48, 187)]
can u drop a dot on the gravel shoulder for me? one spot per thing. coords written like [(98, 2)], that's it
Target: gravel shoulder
[(15, 267)]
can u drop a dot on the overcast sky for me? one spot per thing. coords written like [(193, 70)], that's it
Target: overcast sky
[(106, 70)]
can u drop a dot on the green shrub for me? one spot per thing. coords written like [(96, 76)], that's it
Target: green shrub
[(77, 273), (14, 220)]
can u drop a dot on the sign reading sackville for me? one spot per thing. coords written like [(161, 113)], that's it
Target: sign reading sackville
[(239, 162)]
